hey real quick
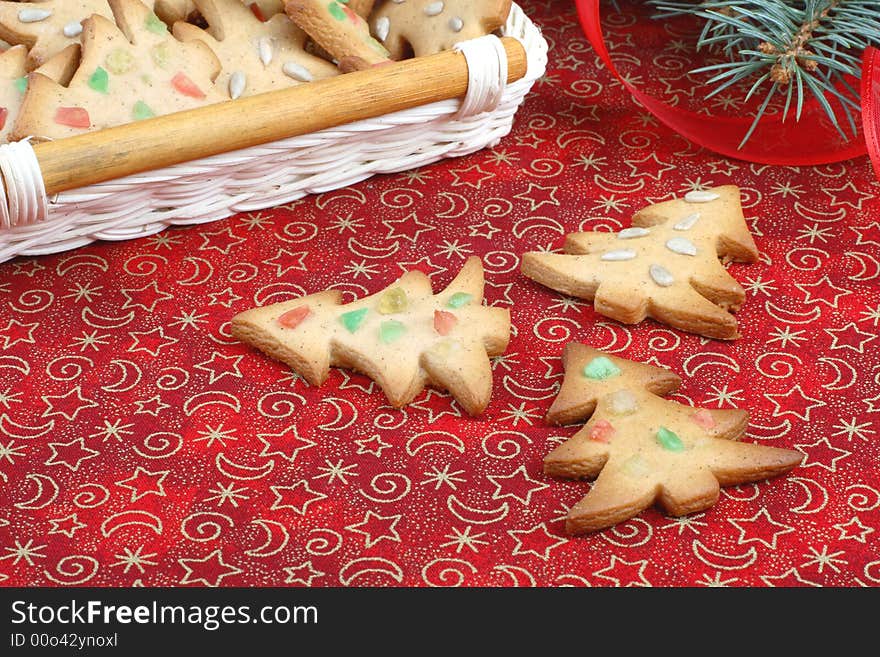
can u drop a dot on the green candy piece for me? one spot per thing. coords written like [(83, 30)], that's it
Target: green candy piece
[(601, 368), (142, 111), (459, 299), (353, 320), (669, 441), (336, 11), (161, 54), (154, 24), (20, 83), (391, 331), (100, 81)]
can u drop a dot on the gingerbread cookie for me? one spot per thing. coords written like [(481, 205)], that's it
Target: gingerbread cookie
[(643, 449), (338, 30), (403, 337), (256, 56), (425, 27), (665, 267), (131, 72)]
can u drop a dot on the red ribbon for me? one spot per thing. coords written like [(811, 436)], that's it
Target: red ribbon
[(870, 104), (813, 140)]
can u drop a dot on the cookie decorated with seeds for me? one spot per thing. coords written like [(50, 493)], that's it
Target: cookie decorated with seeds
[(425, 27), (47, 27), (338, 30), (256, 56), (404, 337), (642, 449), (130, 70), (666, 266)]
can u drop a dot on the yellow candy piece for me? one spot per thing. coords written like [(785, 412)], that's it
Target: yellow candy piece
[(393, 301), (119, 61)]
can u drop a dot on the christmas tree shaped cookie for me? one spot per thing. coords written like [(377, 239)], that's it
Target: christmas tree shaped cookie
[(131, 72), (643, 449), (666, 266), (404, 337), (339, 31), (14, 82), (49, 26), (425, 27), (256, 56)]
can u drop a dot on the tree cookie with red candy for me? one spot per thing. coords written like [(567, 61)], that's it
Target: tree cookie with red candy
[(338, 30), (426, 27), (132, 70), (404, 337), (666, 266), (643, 449), (256, 56), (14, 81)]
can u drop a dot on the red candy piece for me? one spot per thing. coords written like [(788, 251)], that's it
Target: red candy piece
[(602, 431), (3, 114), (186, 86), (703, 419), (444, 322), (73, 117), (293, 318), (352, 16), (255, 8)]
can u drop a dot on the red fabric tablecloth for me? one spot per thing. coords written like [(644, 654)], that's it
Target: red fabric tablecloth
[(140, 444)]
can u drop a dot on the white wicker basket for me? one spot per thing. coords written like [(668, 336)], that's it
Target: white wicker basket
[(272, 174)]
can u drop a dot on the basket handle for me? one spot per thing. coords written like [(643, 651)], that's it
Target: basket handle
[(52, 167)]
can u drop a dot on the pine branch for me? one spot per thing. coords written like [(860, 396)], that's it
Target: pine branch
[(799, 46)]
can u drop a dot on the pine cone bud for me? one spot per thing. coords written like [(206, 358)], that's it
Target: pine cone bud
[(808, 64), (767, 48), (780, 74)]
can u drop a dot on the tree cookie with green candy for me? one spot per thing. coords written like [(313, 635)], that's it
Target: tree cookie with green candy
[(425, 27), (131, 72), (14, 81), (256, 56), (666, 266), (404, 337), (643, 449), (338, 30)]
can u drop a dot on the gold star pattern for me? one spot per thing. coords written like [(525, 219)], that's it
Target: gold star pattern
[(143, 483), (209, 571), (71, 455), (68, 525)]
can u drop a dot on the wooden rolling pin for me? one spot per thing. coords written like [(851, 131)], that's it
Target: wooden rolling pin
[(174, 138)]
